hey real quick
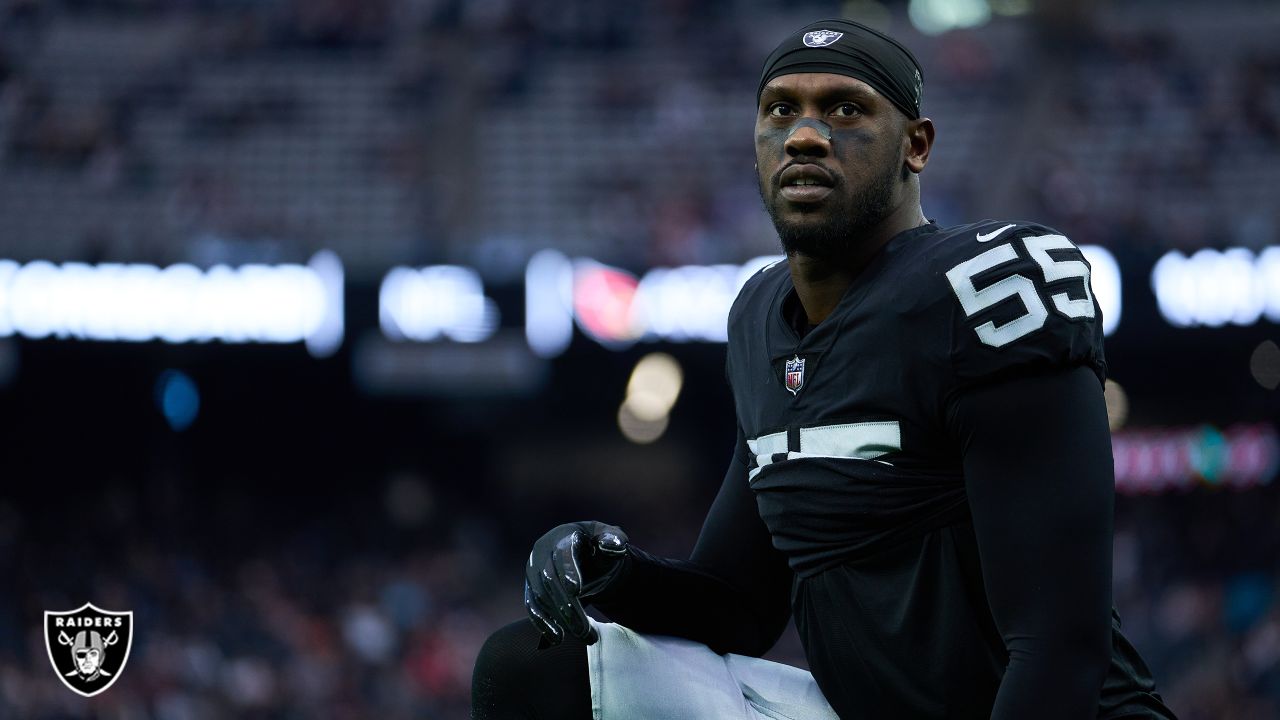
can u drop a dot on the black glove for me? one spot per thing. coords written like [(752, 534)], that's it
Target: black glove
[(570, 564)]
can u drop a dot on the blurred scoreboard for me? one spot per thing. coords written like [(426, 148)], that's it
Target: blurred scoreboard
[(1191, 348)]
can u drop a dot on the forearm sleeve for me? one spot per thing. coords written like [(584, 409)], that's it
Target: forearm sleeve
[(1039, 476), (732, 594)]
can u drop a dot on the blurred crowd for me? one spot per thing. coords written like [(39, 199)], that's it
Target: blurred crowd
[(1155, 141), (414, 130), (1198, 590), (246, 608), (249, 609)]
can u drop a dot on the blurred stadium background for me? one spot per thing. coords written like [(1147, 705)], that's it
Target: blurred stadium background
[(315, 313)]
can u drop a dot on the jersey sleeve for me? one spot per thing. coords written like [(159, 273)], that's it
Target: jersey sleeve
[(1027, 490), (1017, 303)]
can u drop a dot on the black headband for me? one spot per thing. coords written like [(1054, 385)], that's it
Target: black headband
[(848, 48)]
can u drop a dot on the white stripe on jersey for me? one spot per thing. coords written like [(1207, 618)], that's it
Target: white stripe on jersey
[(764, 448), (858, 441), (864, 440)]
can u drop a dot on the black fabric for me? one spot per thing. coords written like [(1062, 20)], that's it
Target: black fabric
[(1038, 469), (860, 52), (514, 680), (875, 483), (897, 345), (1041, 604)]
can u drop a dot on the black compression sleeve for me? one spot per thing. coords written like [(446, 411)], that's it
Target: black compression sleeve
[(1038, 472), (732, 595)]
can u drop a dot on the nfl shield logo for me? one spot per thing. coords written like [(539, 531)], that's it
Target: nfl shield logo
[(821, 38), (795, 374), (88, 646)]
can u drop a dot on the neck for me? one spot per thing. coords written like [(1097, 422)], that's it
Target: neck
[(821, 282)]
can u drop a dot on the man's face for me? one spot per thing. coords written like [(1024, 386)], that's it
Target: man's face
[(829, 153), (87, 660)]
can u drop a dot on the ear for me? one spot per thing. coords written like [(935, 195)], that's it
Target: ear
[(917, 142)]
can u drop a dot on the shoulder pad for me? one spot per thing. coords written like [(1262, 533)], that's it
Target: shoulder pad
[(1019, 296), (758, 289)]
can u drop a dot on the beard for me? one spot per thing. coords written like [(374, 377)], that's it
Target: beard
[(831, 230)]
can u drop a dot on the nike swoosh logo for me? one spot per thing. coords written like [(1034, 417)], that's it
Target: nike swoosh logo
[(988, 237)]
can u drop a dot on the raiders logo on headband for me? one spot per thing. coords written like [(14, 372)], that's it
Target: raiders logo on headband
[(88, 646), (821, 38), (848, 48)]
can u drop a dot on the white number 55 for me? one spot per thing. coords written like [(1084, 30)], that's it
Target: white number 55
[(974, 300)]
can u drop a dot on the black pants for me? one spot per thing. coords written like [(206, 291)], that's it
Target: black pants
[(514, 680)]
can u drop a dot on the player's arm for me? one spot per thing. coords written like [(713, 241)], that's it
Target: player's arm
[(1039, 476), (732, 594)]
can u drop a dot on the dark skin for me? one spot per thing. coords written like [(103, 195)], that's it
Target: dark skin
[(862, 176)]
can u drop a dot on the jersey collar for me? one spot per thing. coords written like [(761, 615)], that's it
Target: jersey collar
[(784, 340)]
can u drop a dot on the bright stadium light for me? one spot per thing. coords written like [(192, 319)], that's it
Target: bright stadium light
[(177, 304), (1104, 278), (1267, 269), (637, 429), (934, 17), (689, 303), (651, 392), (435, 302), (548, 303), (8, 269), (603, 298), (685, 303), (325, 339), (654, 386), (1212, 288)]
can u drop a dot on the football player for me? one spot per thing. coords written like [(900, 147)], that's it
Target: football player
[(922, 477)]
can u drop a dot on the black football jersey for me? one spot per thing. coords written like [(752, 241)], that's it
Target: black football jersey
[(853, 469)]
